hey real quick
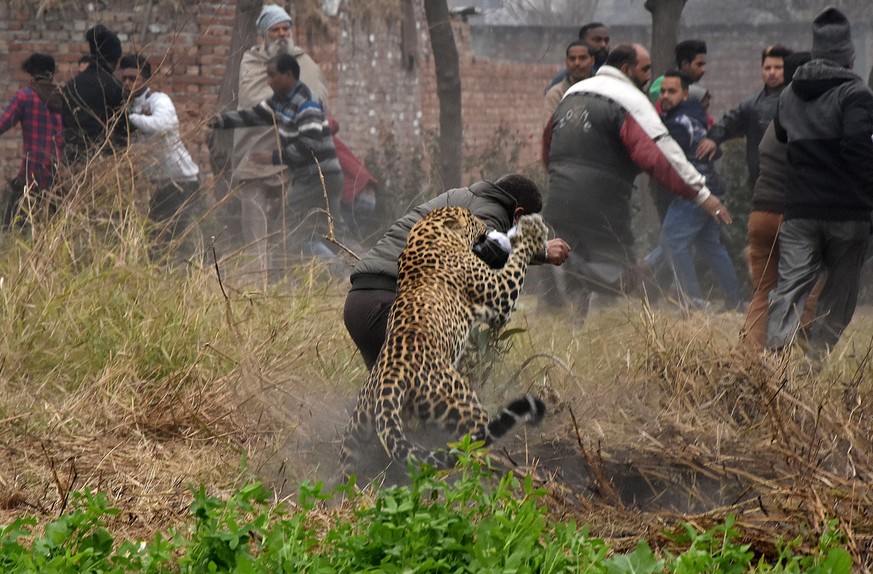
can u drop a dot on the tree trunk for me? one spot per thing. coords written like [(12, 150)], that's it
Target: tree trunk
[(665, 36), (241, 39), (448, 78), (665, 33), (408, 36)]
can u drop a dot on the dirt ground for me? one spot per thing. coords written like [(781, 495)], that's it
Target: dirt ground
[(679, 428)]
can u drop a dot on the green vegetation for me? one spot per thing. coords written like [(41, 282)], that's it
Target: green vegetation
[(470, 522)]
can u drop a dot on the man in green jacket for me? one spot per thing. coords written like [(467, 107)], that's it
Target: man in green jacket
[(374, 278)]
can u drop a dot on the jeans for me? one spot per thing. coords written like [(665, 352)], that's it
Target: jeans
[(807, 247), (688, 227)]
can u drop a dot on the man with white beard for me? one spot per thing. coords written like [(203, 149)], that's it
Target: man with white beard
[(263, 189)]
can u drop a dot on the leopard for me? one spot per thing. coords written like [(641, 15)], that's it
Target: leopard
[(443, 291)]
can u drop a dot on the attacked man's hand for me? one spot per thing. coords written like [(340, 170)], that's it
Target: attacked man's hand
[(706, 149), (557, 251)]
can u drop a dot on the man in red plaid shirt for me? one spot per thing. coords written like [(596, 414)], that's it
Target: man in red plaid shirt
[(36, 107)]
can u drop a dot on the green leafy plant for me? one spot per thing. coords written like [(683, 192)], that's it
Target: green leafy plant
[(76, 542), (470, 520), (714, 550)]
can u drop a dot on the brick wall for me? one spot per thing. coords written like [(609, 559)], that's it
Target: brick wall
[(374, 92), (504, 71), (190, 49)]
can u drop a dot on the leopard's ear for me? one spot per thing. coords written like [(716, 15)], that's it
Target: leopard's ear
[(453, 223)]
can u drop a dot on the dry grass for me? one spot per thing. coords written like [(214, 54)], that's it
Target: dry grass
[(139, 378), (672, 421)]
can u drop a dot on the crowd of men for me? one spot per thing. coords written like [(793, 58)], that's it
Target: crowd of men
[(111, 105), (809, 154)]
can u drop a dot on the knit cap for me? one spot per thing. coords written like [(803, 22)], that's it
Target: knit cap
[(270, 16), (103, 44), (831, 38)]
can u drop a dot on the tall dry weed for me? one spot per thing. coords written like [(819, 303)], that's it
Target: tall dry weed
[(129, 368)]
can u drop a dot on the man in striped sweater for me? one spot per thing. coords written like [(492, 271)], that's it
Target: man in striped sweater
[(305, 145)]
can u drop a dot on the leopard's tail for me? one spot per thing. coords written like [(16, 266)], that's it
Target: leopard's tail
[(527, 409)]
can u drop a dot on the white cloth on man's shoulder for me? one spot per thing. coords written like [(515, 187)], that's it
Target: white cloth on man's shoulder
[(613, 84)]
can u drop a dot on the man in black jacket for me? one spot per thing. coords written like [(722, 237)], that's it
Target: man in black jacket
[(751, 118), (93, 105), (826, 118)]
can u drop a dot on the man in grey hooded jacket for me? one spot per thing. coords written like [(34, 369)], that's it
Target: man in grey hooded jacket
[(826, 118), (374, 279)]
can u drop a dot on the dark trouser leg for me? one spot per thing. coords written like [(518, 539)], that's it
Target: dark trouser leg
[(170, 207), (567, 287), (845, 246), (800, 262), (333, 183), (305, 207), (366, 318), (12, 207)]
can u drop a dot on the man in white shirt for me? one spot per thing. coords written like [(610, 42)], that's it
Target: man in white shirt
[(168, 164)]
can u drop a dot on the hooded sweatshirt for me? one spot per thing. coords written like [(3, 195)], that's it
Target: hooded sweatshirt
[(826, 118), (687, 124), (92, 113)]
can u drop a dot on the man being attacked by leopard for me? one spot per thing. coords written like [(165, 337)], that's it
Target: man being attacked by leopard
[(499, 204), (443, 290)]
